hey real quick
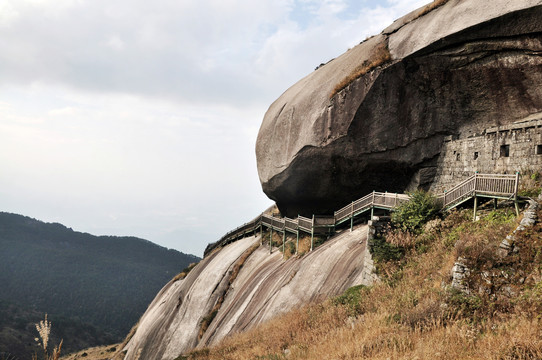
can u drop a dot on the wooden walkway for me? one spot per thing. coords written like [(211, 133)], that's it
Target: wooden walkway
[(494, 186)]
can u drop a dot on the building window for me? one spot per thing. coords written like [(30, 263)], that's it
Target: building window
[(505, 150), (475, 155), (457, 156), (538, 149)]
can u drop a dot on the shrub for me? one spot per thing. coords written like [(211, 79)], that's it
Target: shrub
[(383, 251), (462, 304), (530, 184), (500, 217), (413, 214), (289, 250), (276, 239), (319, 240), (352, 299), (404, 239)]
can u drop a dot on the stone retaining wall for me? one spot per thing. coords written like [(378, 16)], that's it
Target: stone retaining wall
[(505, 150)]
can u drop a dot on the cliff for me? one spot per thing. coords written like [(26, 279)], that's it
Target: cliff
[(242, 285), (376, 117), (418, 311)]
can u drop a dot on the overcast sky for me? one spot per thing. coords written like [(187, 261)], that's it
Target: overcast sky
[(138, 117)]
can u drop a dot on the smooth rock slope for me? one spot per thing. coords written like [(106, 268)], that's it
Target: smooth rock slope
[(462, 67), (265, 286)]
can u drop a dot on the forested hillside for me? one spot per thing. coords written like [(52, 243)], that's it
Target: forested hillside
[(100, 282)]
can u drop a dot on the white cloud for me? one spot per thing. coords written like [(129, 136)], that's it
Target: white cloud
[(8, 14), (140, 118), (65, 111), (115, 43)]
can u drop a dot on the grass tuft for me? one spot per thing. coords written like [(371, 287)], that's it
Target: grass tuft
[(380, 56), (430, 7), (185, 272), (44, 330)]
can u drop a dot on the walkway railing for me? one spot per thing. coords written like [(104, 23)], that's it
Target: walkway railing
[(495, 186), (484, 185)]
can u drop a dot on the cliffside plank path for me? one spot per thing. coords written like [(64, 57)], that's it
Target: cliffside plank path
[(495, 186)]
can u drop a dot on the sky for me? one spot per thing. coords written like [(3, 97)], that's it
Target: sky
[(140, 118)]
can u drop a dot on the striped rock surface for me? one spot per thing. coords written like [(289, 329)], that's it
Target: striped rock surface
[(265, 286)]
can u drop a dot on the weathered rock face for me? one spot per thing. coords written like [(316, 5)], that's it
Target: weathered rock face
[(463, 67), (265, 286)]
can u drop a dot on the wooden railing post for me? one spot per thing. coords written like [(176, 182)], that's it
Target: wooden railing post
[(312, 232), (489, 185), (283, 243), (516, 186), (297, 242), (475, 197), (373, 206), (352, 217), (475, 206), (271, 238)]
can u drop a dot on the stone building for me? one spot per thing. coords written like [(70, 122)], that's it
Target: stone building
[(501, 149)]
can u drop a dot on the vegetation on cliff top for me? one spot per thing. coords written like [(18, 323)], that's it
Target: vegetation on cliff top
[(414, 312), (379, 56), (430, 7)]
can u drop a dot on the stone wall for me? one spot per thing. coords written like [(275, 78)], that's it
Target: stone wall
[(503, 149)]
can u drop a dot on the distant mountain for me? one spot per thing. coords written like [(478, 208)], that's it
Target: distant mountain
[(101, 283)]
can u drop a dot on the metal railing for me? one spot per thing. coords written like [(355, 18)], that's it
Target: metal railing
[(304, 223), (490, 185), (291, 225)]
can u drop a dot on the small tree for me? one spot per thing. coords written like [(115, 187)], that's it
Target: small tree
[(413, 214)]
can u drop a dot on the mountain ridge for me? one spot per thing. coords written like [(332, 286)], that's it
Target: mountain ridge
[(103, 281)]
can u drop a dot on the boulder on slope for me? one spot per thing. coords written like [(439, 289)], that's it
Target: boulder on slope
[(375, 118)]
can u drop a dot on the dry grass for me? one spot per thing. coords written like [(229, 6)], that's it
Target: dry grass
[(430, 7), (185, 272), (276, 239), (289, 248), (401, 238), (412, 314), (304, 244), (109, 352), (530, 184), (379, 56), (241, 261), (44, 330)]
